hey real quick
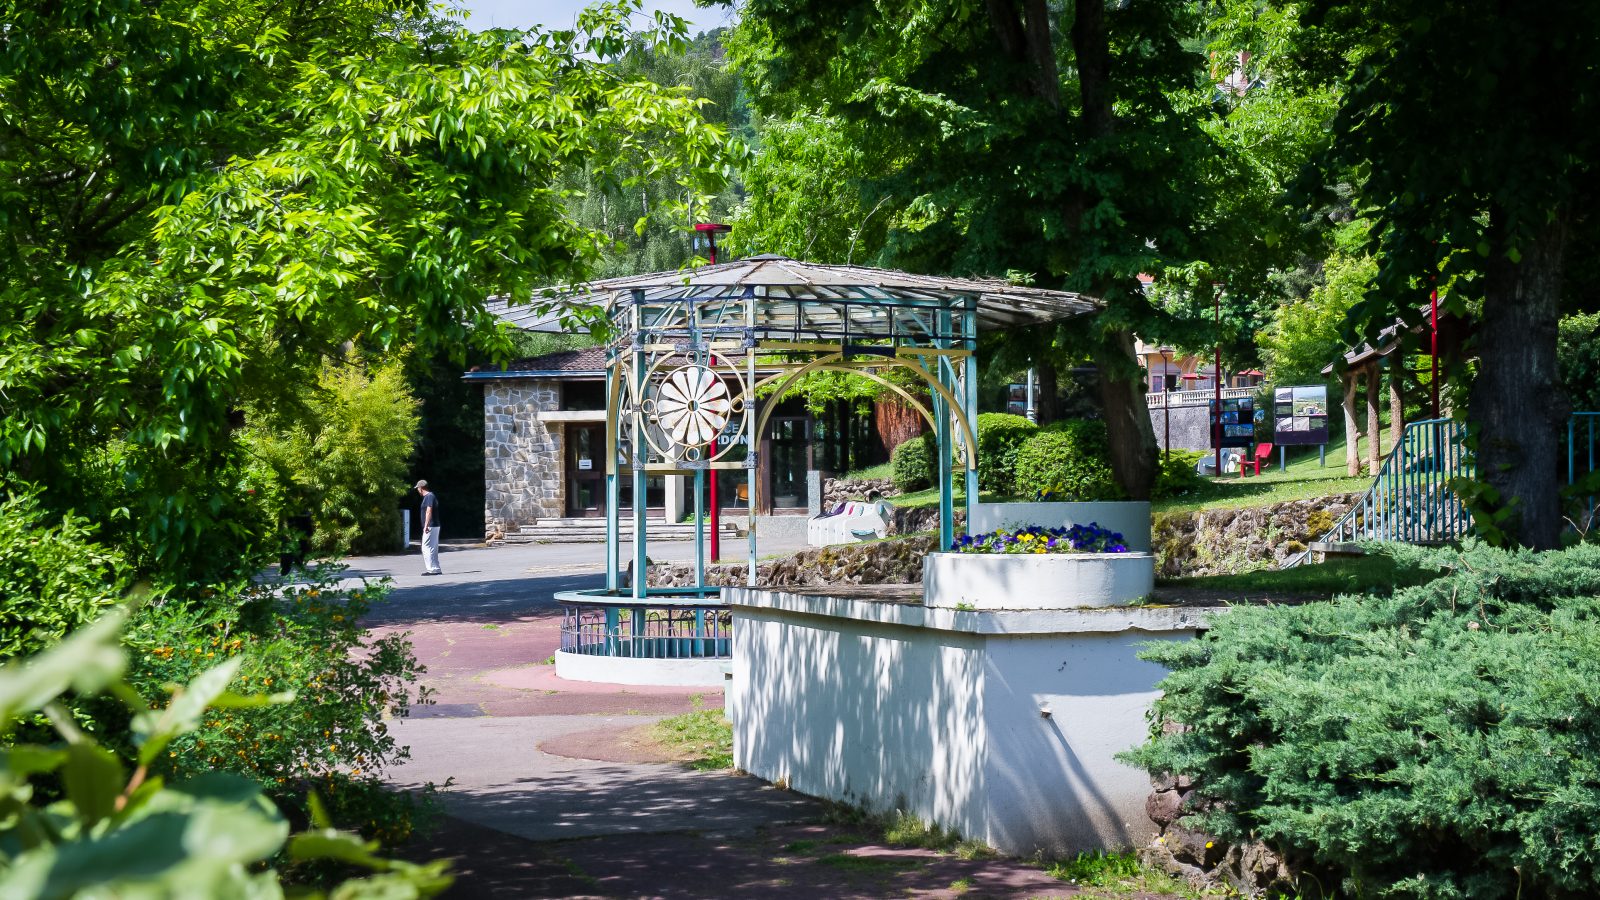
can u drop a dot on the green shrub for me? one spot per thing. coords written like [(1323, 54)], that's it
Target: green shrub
[(342, 459), (303, 639), (79, 822), (1579, 360), (915, 464), (53, 577), (1070, 460), (1000, 435), (1438, 742), (1176, 475)]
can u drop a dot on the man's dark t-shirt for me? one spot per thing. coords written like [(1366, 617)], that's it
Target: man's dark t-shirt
[(430, 500)]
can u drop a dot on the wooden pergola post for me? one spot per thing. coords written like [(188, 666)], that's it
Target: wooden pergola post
[(1374, 428), (1397, 405), (1352, 453)]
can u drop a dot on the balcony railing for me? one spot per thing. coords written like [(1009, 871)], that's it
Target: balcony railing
[(1159, 399)]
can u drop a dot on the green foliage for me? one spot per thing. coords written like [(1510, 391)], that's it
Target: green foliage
[(1436, 742), (303, 642), (1000, 436), (146, 833), (915, 463), (1069, 459), (341, 456), (254, 188), (1177, 475), (53, 577), (1578, 355), (1305, 337)]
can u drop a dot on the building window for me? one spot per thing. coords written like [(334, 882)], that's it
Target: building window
[(583, 395)]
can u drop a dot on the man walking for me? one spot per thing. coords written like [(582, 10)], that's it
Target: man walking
[(430, 530)]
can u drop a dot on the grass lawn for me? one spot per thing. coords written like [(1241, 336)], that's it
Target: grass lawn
[(881, 470), (704, 737), (1302, 480), (1364, 574)]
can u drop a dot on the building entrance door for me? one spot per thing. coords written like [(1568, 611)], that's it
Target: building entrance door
[(586, 470)]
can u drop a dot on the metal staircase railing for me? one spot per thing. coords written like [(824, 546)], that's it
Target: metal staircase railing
[(1410, 499)]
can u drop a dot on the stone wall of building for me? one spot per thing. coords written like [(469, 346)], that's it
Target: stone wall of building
[(522, 469)]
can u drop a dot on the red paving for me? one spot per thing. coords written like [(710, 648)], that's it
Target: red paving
[(486, 664)]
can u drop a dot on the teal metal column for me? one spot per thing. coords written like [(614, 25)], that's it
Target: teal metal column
[(969, 331), (752, 440), (700, 527), (613, 524), (941, 416), (637, 450)]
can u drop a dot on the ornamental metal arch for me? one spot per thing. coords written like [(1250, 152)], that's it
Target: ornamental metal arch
[(697, 361)]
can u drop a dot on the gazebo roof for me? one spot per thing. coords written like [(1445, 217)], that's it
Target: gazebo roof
[(779, 285)]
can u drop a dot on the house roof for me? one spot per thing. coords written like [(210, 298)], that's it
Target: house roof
[(586, 362), (781, 287)]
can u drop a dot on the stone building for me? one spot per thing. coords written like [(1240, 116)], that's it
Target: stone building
[(544, 444)]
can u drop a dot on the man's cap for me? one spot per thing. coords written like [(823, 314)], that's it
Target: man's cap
[(423, 483)]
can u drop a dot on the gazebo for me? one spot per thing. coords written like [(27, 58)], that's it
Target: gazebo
[(697, 360)]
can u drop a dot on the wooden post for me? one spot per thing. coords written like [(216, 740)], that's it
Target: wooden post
[(1397, 404), (1352, 454), (1374, 429)]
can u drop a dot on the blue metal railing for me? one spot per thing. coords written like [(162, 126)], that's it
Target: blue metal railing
[(675, 632), (1411, 499)]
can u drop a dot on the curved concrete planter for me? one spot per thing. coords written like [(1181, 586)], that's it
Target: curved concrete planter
[(985, 581), (1131, 518), (706, 673)]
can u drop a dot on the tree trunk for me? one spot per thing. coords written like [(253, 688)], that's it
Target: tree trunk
[(1516, 402), (1131, 437), (896, 421), (1046, 405), (1352, 453)]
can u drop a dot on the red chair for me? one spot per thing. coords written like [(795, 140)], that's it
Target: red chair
[(1263, 453)]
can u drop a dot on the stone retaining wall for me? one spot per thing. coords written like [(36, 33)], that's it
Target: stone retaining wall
[(1205, 863), (878, 562), (1229, 541), (838, 490)]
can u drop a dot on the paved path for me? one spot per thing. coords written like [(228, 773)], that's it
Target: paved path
[(555, 788)]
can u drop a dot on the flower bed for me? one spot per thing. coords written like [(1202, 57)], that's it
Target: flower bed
[(1038, 568), (1090, 538)]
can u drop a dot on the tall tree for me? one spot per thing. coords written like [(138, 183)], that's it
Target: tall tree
[(1044, 141), (203, 198), (1473, 125)]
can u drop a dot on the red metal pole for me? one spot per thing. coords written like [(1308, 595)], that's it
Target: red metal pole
[(1216, 382), (714, 516), (1433, 303)]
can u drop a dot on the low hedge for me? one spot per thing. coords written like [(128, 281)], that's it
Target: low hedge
[(1070, 460), (1438, 742), (1000, 436), (914, 464)]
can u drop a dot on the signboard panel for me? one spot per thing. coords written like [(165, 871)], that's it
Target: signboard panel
[(1300, 415), (1233, 423)]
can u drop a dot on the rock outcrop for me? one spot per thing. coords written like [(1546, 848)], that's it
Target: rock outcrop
[(1229, 541), (879, 562)]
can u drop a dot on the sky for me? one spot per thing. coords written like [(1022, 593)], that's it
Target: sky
[(562, 13)]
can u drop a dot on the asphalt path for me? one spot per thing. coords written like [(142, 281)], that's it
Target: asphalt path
[(555, 788)]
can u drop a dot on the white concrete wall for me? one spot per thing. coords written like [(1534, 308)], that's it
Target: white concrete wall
[(1131, 518), (845, 702), (1053, 784), (881, 716)]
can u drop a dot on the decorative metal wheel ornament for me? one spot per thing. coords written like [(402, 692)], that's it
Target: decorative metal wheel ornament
[(692, 406)]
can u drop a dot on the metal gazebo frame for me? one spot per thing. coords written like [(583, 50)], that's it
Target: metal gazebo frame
[(679, 338)]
